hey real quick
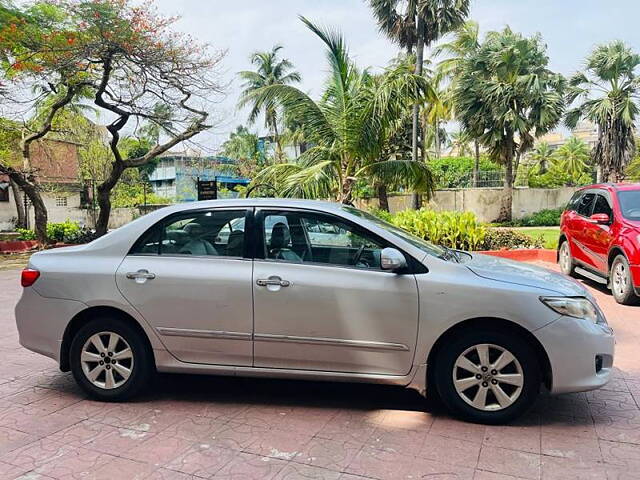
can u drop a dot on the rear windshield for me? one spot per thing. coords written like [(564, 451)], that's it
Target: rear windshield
[(630, 204)]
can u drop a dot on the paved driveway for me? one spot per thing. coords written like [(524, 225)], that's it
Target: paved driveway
[(213, 427)]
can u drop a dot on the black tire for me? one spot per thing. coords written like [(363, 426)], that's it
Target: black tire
[(623, 293), (568, 267), (510, 341), (142, 364)]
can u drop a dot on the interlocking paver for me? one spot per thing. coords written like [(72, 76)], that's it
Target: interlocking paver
[(232, 428)]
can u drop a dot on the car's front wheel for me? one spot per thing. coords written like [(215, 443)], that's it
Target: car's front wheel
[(621, 281), (110, 360), (488, 376)]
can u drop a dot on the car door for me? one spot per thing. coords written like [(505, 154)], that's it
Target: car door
[(189, 277), (598, 236), (322, 302), (580, 227)]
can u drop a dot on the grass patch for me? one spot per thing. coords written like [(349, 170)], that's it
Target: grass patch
[(549, 235)]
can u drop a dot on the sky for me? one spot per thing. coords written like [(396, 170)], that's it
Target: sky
[(570, 28)]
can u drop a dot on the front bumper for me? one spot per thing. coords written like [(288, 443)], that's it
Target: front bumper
[(42, 321), (580, 354), (635, 277)]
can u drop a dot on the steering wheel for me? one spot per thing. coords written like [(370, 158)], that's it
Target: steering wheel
[(634, 212), (356, 257)]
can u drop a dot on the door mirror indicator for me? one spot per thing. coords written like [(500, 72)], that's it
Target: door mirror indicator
[(600, 218), (392, 259)]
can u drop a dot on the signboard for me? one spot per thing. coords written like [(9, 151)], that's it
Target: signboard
[(207, 189)]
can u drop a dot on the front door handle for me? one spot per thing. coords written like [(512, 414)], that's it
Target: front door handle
[(272, 281), (141, 275)]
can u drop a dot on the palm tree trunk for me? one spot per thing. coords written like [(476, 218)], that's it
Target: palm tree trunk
[(507, 199), (416, 108), (383, 197), (276, 137), (476, 166), (17, 197)]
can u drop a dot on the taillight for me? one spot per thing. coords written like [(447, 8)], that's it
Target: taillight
[(29, 277)]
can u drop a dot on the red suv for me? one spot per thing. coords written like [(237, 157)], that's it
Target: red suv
[(600, 238)]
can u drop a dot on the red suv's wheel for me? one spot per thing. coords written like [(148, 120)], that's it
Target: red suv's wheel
[(566, 260), (621, 282)]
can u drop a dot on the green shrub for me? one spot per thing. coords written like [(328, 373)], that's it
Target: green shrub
[(450, 172), (60, 232), (499, 238), (452, 229), (543, 218), (382, 214), (26, 234), (83, 235)]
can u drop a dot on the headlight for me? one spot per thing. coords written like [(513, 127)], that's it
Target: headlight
[(578, 307)]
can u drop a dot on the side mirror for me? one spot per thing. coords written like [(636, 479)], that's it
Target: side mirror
[(600, 218), (392, 260)]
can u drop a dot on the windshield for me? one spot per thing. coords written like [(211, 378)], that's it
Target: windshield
[(431, 249), (630, 204)]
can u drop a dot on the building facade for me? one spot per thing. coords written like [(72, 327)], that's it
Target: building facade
[(177, 173)]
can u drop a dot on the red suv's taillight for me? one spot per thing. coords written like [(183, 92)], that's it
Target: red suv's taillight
[(29, 277)]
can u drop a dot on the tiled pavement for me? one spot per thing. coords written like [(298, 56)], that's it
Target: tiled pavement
[(213, 427)]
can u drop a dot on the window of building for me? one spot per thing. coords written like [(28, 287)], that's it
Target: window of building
[(61, 201)]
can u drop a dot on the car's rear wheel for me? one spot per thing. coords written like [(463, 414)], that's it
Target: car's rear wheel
[(567, 266), (487, 376), (621, 282), (110, 360)]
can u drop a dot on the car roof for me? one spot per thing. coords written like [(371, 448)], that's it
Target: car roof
[(260, 202), (612, 187)]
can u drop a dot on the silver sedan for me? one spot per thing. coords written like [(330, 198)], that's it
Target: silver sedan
[(310, 290)]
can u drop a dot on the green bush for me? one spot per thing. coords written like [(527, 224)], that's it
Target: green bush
[(60, 232), (449, 172), (26, 234), (451, 229), (500, 238), (543, 218)]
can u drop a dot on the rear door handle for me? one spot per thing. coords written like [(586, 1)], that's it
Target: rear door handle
[(265, 282), (141, 275)]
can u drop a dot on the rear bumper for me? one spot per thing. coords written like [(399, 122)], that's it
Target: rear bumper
[(580, 352), (42, 321)]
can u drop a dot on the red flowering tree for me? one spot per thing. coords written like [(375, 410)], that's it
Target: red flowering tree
[(126, 60), (38, 74)]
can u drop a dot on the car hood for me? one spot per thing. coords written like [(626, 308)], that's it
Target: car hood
[(509, 271)]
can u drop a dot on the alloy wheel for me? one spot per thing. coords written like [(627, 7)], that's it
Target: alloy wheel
[(107, 360), (565, 257), (620, 279), (488, 377)]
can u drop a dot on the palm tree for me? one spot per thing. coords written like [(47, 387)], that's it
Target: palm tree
[(542, 157), (461, 143), (607, 91), (416, 24), (270, 70), (465, 42), (573, 157), (348, 128), (506, 97)]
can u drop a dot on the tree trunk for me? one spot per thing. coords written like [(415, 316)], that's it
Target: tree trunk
[(507, 199), (30, 189), (476, 166), (276, 137), (17, 197), (383, 197), (104, 197), (436, 140), (416, 201)]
